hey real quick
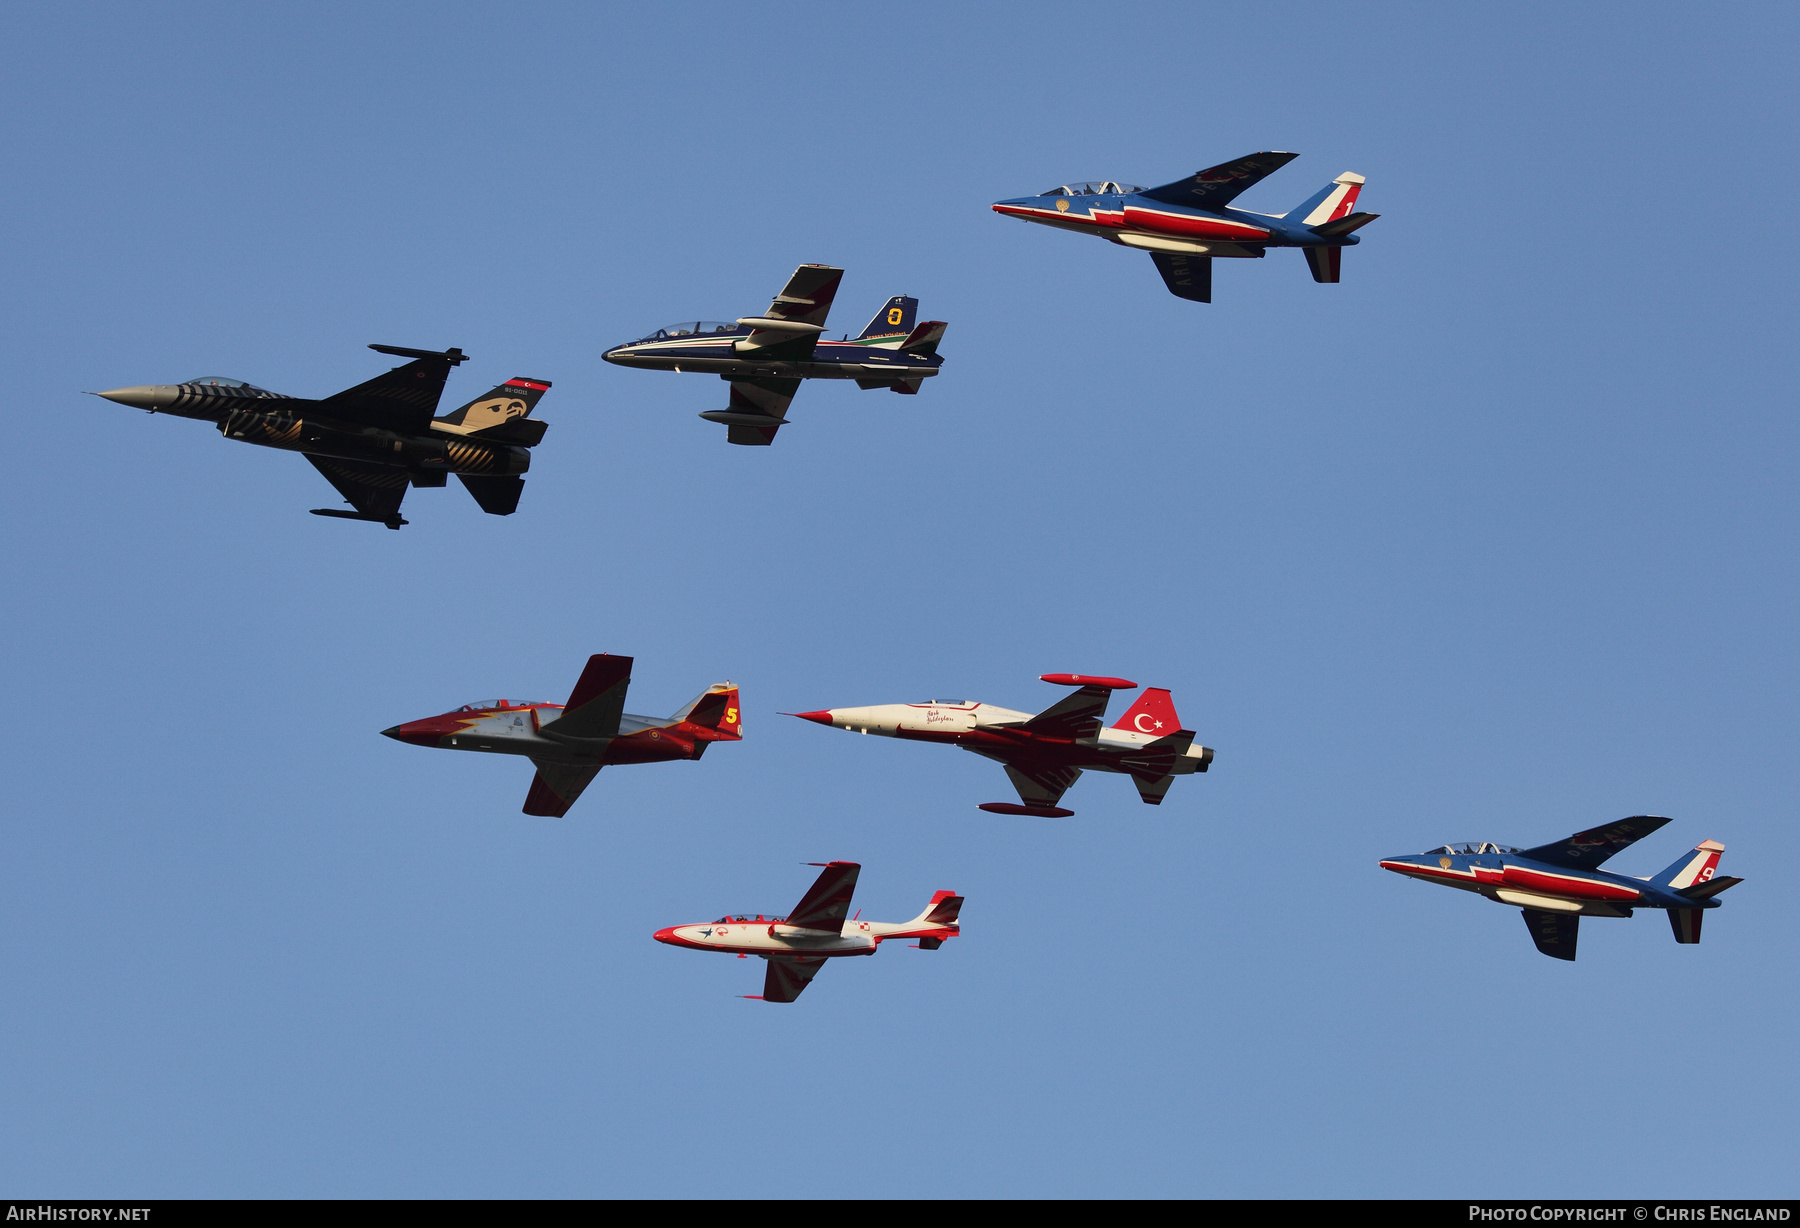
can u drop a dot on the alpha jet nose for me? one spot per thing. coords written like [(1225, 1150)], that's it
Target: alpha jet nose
[(143, 396)]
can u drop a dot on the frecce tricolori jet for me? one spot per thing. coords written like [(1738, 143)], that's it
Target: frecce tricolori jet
[(765, 357), (1046, 753), (569, 743), (819, 928)]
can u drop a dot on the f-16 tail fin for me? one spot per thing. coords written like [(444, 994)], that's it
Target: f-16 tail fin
[(1329, 203), (516, 398), (1691, 869), (891, 324), (715, 708), (1154, 712)]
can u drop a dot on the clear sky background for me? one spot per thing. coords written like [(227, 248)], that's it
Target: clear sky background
[(1494, 540)]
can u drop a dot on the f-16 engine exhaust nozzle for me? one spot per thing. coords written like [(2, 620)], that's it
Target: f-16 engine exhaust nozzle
[(143, 396)]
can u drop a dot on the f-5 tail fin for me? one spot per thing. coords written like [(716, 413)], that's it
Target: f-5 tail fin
[(1154, 713)]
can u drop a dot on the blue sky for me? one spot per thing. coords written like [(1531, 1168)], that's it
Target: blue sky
[(1494, 540)]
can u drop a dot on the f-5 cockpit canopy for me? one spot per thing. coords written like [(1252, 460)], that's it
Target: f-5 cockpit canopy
[(1474, 847), (691, 328), (1094, 187), (492, 705)]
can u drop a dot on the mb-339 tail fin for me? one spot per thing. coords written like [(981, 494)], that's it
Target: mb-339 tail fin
[(891, 324)]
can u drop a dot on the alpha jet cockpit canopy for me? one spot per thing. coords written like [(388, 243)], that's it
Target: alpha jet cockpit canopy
[(1473, 846), (1094, 187)]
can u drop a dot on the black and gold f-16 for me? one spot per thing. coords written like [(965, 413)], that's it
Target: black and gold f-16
[(376, 439)]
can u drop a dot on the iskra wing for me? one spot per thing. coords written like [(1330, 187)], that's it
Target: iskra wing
[(827, 902)]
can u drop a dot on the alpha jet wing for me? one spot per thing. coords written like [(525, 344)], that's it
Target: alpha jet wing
[(569, 743), (1187, 224), (375, 440), (765, 357)]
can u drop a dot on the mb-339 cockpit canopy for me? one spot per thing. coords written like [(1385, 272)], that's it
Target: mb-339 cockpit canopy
[(1474, 847), (1094, 187), (691, 328)]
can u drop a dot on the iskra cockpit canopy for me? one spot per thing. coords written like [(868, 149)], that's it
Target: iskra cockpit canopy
[(1473, 846), (1094, 187), (745, 916)]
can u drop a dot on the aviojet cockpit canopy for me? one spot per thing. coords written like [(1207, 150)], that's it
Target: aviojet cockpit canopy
[(691, 328), (1094, 187), (1473, 846), (490, 705)]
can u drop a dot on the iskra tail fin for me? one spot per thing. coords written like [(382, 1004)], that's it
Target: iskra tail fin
[(942, 910), (891, 324)]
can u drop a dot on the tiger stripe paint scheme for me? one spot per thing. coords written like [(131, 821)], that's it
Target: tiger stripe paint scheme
[(377, 439), (1555, 885), (820, 927), (569, 743), (764, 358), (1185, 225)]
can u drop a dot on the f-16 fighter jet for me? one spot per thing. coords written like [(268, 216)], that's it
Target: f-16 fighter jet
[(569, 743), (819, 928), (376, 439), (1558, 884), (1044, 754), (1185, 225), (765, 357)]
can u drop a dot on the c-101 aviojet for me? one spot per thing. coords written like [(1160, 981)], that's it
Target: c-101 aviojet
[(765, 357), (1185, 225), (1046, 753), (1556, 885), (569, 743), (819, 928), (376, 439)]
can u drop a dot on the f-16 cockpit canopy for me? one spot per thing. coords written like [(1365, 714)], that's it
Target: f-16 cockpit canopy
[(220, 381), (744, 916), (691, 328), (1474, 847), (1094, 187), (489, 705)]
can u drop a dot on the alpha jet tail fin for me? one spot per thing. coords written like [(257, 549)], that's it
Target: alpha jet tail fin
[(891, 324), (1331, 202), (1691, 869)]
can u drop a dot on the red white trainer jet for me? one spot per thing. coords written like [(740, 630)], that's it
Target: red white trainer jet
[(1046, 753), (818, 929)]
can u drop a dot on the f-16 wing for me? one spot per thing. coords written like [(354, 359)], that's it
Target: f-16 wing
[(1586, 850), (1217, 186), (827, 902), (597, 703), (758, 409), (402, 400), (556, 786), (375, 491), (788, 976)]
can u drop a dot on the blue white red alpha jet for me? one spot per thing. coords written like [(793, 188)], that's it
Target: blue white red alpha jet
[(569, 743), (1046, 753), (1185, 225), (765, 357), (1558, 884), (819, 928)]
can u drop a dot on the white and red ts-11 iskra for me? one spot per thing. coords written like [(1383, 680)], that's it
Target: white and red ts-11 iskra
[(1046, 753), (819, 928)]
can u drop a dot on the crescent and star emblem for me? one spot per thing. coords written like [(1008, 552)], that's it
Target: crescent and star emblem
[(1141, 718)]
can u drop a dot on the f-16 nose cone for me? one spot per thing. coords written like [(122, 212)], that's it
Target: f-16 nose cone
[(143, 396), (822, 717)]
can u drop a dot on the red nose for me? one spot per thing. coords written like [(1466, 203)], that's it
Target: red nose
[(429, 732), (665, 935), (822, 717)]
